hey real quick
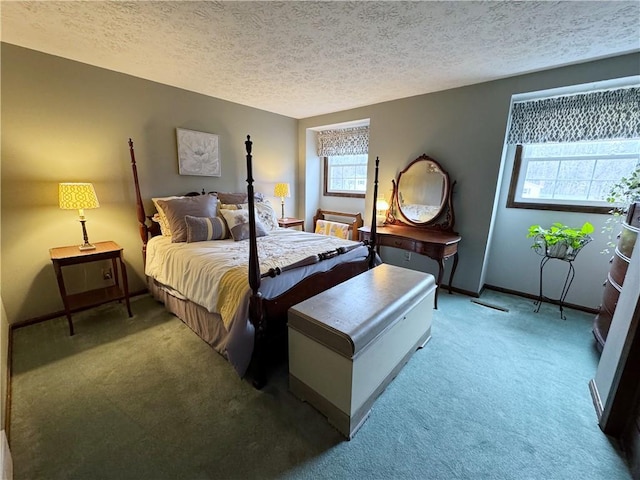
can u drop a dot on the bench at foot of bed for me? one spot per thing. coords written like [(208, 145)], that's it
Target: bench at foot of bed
[(347, 343)]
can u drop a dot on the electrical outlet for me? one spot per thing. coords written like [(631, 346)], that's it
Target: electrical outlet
[(107, 274), (407, 256)]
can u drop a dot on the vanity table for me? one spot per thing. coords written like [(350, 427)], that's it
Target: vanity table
[(420, 218), (436, 245)]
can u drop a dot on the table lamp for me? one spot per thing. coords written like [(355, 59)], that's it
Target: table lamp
[(381, 211), (78, 196), (281, 190)]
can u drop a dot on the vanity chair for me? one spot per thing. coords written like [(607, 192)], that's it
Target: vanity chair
[(421, 218)]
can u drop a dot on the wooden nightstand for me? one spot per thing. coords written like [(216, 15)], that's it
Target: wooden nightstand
[(63, 256), (289, 222)]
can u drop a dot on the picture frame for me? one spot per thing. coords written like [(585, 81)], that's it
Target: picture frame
[(198, 153)]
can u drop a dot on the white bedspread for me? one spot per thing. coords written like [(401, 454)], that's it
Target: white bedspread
[(195, 269)]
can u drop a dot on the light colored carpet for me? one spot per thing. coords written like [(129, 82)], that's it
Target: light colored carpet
[(494, 395)]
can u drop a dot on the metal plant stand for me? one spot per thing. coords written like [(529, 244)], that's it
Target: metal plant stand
[(563, 253)]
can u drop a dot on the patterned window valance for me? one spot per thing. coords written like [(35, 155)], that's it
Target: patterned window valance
[(346, 141), (590, 116)]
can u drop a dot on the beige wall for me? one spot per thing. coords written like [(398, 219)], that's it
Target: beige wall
[(67, 121), (464, 129)]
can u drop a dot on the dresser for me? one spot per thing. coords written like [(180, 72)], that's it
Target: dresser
[(617, 272)]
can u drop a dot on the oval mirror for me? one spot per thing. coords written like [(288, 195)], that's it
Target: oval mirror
[(422, 191)]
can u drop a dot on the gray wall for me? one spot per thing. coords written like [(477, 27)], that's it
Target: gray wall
[(464, 129), (509, 247), (67, 121)]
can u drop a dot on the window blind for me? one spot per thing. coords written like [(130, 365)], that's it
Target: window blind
[(600, 115), (346, 141)]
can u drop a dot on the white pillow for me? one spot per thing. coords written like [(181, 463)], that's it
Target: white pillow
[(264, 212), (238, 224), (267, 215), (161, 217)]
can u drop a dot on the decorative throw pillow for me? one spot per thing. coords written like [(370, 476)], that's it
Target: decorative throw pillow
[(238, 224), (333, 229), (160, 217), (201, 229), (267, 215), (233, 206), (264, 212), (178, 208)]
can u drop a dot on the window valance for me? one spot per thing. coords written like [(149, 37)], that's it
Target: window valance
[(346, 141), (597, 115)]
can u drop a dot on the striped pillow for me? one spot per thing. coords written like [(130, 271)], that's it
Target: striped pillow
[(201, 229)]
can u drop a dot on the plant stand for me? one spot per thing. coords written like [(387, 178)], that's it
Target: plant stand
[(559, 251), (571, 273)]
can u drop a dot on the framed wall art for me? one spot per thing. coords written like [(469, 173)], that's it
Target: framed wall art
[(198, 153)]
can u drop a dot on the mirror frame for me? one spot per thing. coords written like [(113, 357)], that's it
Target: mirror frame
[(443, 220)]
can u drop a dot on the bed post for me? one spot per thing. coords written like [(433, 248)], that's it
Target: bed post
[(372, 239), (255, 302), (142, 219)]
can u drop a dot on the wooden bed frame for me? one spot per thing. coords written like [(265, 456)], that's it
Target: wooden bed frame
[(269, 316)]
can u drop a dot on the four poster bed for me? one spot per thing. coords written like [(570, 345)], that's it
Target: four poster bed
[(235, 292)]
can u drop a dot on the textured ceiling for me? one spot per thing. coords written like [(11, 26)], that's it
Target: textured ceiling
[(302, 59)]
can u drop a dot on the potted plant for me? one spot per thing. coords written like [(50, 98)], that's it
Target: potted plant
[(622, 194), (560, 241)]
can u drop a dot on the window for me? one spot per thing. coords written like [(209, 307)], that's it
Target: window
[(345, 175), (575, 176), (571, 148), (345, 152)]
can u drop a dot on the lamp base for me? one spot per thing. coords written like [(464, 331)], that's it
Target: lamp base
[(86, 245)]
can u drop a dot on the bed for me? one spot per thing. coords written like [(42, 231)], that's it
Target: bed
[(235, 292)]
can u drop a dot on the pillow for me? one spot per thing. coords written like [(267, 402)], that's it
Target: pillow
[(264, 212), (201, 229), (333, 229), (177, 208), (240, 197), (267, 215), (238, 224), (161, 218), (233, 206)]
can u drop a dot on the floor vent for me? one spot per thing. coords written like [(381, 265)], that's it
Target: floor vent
[(490, 305)]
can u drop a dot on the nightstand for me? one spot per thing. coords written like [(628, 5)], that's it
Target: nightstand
[(289, 222), (64, 256)]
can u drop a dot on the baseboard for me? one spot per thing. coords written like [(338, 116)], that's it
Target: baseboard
[(595, 398), (535, 297), (468, 293), (7, 406), (60, 313), (6, 463)]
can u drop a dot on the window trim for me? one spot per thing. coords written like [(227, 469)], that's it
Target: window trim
[(326, 191), (513, 203)]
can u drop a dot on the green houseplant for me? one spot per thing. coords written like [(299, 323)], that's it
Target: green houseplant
[(622, 194), (560, 241)]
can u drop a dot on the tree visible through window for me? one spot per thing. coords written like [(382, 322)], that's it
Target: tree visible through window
[(346, 175), (571, 174)]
